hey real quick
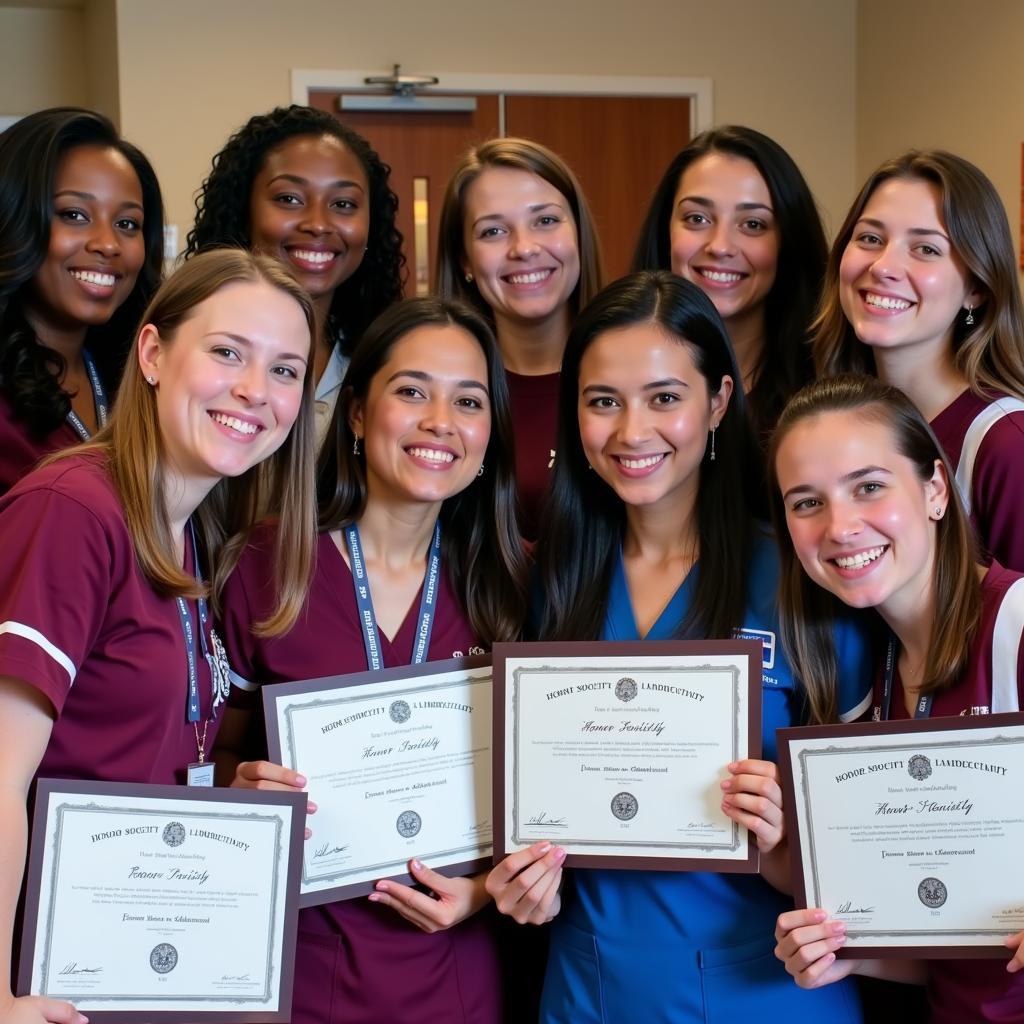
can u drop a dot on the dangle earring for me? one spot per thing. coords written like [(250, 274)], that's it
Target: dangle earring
[(713, 429), (355, 445), (480, 471), (969, 319)]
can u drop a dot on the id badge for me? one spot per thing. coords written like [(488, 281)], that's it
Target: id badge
[(200, 774)]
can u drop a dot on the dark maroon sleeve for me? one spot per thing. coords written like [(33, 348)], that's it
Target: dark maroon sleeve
[(998, 488)]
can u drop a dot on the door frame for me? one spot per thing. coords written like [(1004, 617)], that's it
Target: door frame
[(697, 90)]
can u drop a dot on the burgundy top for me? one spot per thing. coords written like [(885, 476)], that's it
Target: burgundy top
[(979, 990), (358, 962), (80, 623), (21, 450), (534, 401), (997, 487)]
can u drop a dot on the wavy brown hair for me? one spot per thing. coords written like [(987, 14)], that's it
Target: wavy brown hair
[(989, 353), (807, 611), (132, 448)]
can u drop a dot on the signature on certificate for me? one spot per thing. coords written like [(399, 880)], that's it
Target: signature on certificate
[(849, 908), (326, 850), (543, 819), (74, 968)]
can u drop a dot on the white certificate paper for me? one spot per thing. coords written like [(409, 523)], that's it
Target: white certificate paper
[(616, 751), (910, 832), (161, 903), (398, 763)]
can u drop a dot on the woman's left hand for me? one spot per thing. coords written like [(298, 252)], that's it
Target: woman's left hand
[(452, 899), (753, 799), (1015, 942)]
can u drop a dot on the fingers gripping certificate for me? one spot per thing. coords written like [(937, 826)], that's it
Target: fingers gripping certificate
[(399, 765), (616, 751), (160, 903), (910, 832)]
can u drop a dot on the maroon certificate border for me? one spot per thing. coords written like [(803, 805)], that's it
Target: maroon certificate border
[(387, 676), (787, 772), (47, 789), (647, 650)]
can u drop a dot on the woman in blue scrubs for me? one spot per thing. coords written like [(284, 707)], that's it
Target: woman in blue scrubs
[(650, 534)]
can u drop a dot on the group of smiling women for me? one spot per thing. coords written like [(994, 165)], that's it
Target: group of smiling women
[(746, 435)]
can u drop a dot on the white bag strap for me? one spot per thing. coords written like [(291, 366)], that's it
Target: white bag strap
[(982, 424), (1006, 639)]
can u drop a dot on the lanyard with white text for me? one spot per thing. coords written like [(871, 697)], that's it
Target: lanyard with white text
[(428, 599), (924, 701), (99, 398)]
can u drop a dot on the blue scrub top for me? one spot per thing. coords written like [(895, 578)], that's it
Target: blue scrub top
[(658, 946)]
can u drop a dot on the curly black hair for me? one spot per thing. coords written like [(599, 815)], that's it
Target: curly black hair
[(30, 151), (222, 210)]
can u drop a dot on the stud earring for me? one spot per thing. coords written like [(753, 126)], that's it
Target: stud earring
[(355, 445), (151, 380), (469, 277), (938, 511), (713, 429), (969, 319), (480, 471)]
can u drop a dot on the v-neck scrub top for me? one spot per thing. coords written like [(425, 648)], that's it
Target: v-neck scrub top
[(663, 947), (358, 962)]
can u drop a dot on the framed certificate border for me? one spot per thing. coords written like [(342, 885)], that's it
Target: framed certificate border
[(649, 653), (394, 684), (152, 799), (882, 736)]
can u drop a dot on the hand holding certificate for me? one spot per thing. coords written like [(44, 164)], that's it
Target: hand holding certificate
[(910, 832), (617, 751)]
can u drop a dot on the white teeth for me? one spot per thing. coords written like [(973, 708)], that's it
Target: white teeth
[(885, 302), (650, 460), (309, 256), (721, 276), (91, 277), (432, 454), (861, 559), (533, 278), (235, 423)]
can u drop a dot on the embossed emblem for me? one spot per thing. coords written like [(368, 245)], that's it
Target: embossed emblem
[(409, 823), (174, 833), (624, 806), (164, 958), (932, 893), (625, 689), (399, 712), (919, 767)]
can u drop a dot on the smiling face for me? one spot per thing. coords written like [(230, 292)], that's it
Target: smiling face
[(644, 413), (861, 519), (521, 245), (901, 283), (96, 246), (723, 236), (229, 383), (310, 208), (426, 418)]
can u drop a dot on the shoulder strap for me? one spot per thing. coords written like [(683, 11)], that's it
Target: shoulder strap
[(1006, 640), (981, 425)]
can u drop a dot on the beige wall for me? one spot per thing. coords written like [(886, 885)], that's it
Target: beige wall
[(193, 70), (42, 59), (959, 86)]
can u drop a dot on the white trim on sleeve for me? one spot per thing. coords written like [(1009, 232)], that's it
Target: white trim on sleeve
[(980, 426), (854, 713), (241, 682), (37, 638), (1006, 640)]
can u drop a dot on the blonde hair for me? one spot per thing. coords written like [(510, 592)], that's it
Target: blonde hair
[(132, 446)]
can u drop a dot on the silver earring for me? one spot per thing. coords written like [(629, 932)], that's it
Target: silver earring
[(969, 319), (713, 429), (355, 445), (151, 380), (938, 511), (469, 277), (480, 471)]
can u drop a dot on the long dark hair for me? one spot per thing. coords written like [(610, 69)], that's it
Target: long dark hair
[(790, 305), (222, 210), (30, 152), (584, 518), (480, 544), (808, 611)]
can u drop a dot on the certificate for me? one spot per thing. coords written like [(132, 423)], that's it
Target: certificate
[(399, 765), (615, 751), (162, 903), (910, 832)]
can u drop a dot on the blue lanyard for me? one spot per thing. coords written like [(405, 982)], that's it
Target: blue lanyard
[(192, 706), (99, 398), (924, 701), (428, 599)]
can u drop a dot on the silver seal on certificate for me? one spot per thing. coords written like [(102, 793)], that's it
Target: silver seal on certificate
[(625, 689), (932, 893), (625, 806), (399, 712), (164, 958), (174, 833), (919, 767), (409, 824)]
